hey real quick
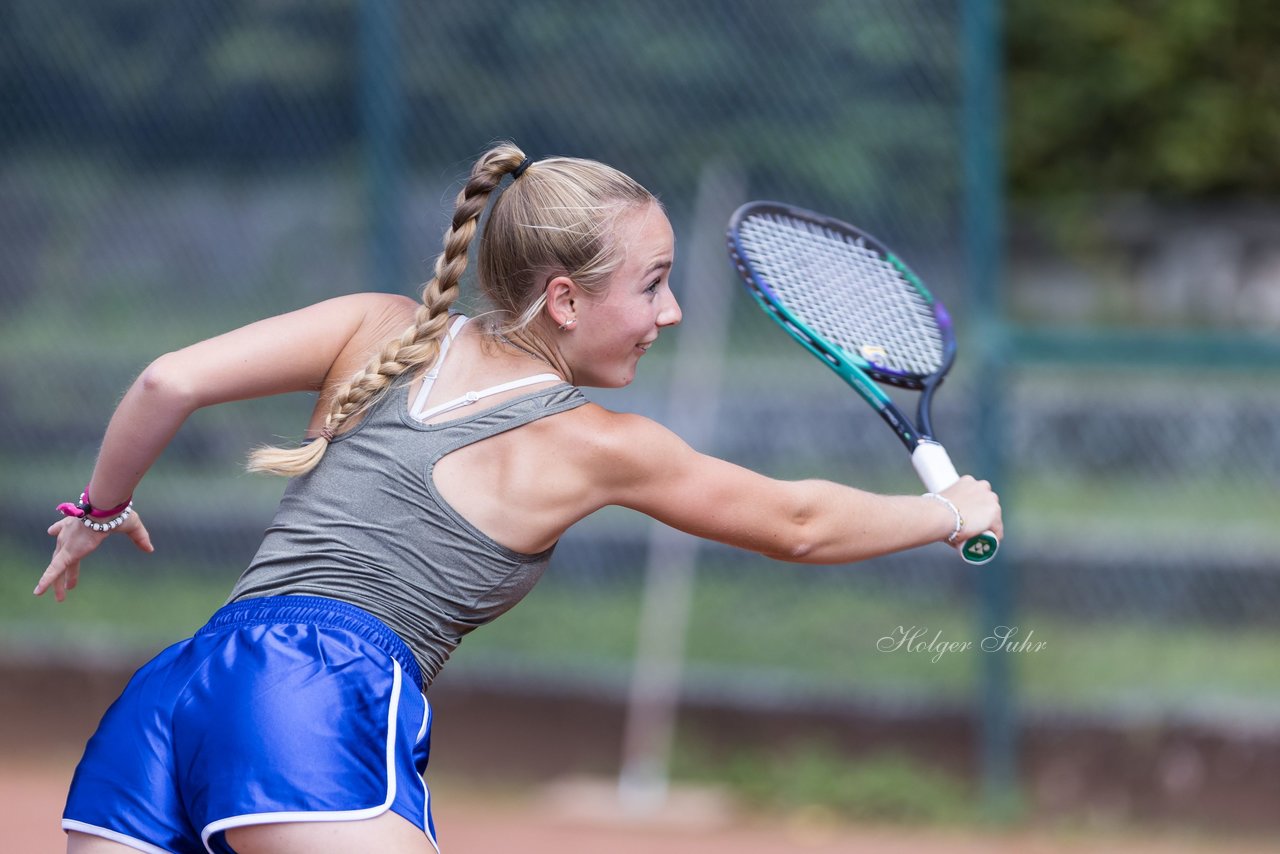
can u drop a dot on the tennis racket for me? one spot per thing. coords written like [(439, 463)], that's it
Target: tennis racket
[(852, 303)]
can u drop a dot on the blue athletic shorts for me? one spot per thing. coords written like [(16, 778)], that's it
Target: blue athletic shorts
[(286, 708)]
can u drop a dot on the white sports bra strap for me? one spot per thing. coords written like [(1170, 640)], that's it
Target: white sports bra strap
[(419, 409), (472, 396), (429, 379)]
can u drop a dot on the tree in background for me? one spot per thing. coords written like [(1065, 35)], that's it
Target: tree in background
[(1169, 99)]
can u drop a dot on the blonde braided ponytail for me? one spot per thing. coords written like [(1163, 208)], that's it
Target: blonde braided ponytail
[(420, 343)]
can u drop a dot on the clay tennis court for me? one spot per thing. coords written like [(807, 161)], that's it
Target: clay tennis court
[(45, 716), (471, 822)]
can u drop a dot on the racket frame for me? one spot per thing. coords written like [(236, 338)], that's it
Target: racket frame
[(859, 373), (928, 456)]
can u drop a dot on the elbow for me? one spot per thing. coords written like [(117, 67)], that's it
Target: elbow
[(795, 548), (799, 541), (800, 551), (165, 384)]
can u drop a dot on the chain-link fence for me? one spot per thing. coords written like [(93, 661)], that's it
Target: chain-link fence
[(174, 170)]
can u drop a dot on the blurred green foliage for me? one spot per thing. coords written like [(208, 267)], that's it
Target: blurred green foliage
[(1168, 99), (816, 783)]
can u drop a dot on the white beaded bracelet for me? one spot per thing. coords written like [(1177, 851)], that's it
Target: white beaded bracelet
[(110, 524), (951, 540)]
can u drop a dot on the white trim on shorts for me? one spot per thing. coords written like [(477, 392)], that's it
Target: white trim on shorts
[(426, 791), (113, 835), (250, 819)]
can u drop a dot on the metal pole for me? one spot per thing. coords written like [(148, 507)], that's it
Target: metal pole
[(984, 239), (382, 121), (692, 403)]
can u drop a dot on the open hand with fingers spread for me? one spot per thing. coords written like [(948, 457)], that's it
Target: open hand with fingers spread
[(75, 541)]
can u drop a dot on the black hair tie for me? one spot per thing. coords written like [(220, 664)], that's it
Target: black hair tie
[(519, 170)]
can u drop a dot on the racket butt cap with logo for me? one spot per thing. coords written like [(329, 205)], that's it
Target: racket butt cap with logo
[(933, 465)]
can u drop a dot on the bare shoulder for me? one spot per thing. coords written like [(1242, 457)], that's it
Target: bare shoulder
[(632, 461), (620, 447), (608, 432), (377, 317), (367, 305), (391, 311), (381, 315)]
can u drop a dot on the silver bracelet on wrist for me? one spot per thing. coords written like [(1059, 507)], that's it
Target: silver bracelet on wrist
[(951, 540)]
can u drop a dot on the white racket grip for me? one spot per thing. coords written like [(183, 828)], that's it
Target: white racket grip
[(936, 471), (933, 465)]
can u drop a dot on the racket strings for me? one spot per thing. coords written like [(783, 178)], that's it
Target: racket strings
[(845, 292)]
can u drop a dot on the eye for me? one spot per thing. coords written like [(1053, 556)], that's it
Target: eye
[(653, 286)]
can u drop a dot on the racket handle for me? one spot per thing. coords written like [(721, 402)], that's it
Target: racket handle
[(936, 471)]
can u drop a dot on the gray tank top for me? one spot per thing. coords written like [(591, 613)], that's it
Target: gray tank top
[(367, 526)]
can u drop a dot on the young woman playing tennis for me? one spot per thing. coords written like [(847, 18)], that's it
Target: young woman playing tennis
[(449, 457)]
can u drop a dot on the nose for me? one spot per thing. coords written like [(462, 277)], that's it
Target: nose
[(670, 315)]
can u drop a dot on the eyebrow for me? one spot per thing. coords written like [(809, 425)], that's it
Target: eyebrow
[(657, 265)]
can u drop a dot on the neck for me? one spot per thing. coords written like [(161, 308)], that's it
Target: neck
[(528, 343)]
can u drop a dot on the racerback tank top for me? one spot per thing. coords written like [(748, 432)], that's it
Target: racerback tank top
[(367, 526)]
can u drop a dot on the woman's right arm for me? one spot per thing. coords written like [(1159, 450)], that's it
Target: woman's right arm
[(304, 350)]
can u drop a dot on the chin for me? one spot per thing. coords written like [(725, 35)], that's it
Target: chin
[(602, 379), (616, 381)]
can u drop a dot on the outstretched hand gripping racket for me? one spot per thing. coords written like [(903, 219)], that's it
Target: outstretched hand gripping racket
[(853, 304)]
